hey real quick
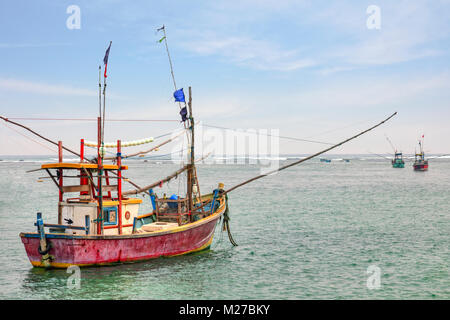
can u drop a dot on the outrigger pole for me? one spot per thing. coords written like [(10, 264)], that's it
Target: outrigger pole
[(310, 157), (186, 167), (40, 136), (390, 142), (57, 144)]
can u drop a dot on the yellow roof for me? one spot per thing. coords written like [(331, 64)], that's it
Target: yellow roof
[(66, 165)]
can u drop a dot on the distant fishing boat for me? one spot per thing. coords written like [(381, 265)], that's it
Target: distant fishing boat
[(325, 160), (420, 164), (346, 160), (398, 162)]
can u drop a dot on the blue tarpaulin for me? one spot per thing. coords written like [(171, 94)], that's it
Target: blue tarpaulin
[(183, 113), (179, 95)]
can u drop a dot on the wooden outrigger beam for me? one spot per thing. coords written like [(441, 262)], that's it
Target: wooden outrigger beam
[(56, 144), (40, 136), (54, 180), (173, 175), (310, 157), (144, 189)]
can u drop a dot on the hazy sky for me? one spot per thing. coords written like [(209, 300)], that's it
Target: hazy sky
[(312, 69)]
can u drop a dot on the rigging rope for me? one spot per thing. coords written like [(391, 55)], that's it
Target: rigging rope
[(270, 135), (226, 222), (17, 131), (94, 119)]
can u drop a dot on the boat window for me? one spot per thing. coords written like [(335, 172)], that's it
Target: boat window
[(110, 215)]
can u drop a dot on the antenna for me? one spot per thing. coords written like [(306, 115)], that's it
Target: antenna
[(163, 28), (387, 138)]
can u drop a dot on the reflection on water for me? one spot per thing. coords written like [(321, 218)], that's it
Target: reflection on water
[(146, 280)]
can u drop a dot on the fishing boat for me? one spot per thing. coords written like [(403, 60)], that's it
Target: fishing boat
[(100, 224), (398, 162), (325, 160), (420, 164)]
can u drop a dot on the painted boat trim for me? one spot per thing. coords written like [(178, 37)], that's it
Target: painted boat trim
[(181, 228), (66, 265), (66, 165)]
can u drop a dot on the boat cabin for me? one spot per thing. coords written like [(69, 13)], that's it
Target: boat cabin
[(79, 204), (96, 205)]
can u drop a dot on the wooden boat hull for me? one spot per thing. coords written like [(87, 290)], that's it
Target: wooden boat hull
[(421, 167), (67, 250), (398, 164)]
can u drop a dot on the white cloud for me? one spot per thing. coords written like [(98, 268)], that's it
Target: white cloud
[(257, 54), (370, 93), (43, 88), (409, 31), (32, 45)]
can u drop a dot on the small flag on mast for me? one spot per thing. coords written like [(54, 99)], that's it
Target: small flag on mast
[(105, 59), (160, 40), (183, 113)]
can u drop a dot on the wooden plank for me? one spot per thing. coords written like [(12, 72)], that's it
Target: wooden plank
[(109, 188), (66, 165), (76, 188), (54, 180), (62, 226)]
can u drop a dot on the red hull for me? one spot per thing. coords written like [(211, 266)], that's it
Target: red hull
[(421, 167), (100, 250)]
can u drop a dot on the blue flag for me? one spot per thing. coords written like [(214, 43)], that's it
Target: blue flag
[(179, 95)]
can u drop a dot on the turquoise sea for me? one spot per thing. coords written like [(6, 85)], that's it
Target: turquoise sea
[(314, 231)]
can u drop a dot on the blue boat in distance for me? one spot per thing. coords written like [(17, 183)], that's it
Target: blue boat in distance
[(324, 160)]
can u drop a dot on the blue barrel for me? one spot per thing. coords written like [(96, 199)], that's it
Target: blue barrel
[(173, 205)]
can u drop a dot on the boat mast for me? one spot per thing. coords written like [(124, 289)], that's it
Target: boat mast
[(190, 172), (99, 156)]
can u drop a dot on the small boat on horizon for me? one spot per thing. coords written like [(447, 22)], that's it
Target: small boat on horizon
[(420, 163), (325, 160), (398, 161)]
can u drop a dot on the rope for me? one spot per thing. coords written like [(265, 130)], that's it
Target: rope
[(93, 119), (270, 135), (226, 222), (17, 131), (311, 156)]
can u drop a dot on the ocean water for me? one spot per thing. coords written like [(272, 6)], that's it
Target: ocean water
[(314, 231)]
